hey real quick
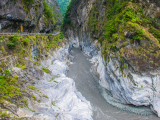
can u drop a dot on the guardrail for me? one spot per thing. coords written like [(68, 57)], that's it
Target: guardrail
[(2, 34)]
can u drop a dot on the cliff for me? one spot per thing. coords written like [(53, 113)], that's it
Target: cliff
[(33, 79), (34, 15), (126, 54)]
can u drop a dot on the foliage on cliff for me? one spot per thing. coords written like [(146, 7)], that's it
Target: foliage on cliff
[(8, 86), (126, 29), (67, 16), (16, 51), (48, 12), (127, 33)]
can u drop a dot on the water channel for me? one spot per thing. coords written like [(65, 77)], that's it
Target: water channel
[(88, 86)]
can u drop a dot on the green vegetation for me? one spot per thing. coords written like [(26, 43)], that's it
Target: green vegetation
[(55, 81), (67, 19), (4, 114), (13, 41), (61, 35), (23, 67), (31, 109), (2, 48), (54, 41), (50, 34), (63, 5), (126, 21), (45, 70), (1, 38), (48, 13), (26, 41), (53, 104), (45, 96), (34, 97), (32, 87), (9, 86), (39, 101), (126, 16), (29, 1), (138, 34), (155, 32), (125, 66)]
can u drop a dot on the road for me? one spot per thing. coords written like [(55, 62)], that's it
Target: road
[(6, 34)]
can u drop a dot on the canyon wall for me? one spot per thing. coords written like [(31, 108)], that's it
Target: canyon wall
[(33, 80), (123, 38)]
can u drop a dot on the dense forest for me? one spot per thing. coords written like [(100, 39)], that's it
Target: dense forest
[(63, 5)]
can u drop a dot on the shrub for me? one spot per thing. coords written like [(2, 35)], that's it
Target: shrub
[(4, 114), (45, 96), (115, 37), (9, 86), (2, 48), (11, 45), (45, 70), (50, 34), (1, 38), (23, 67), (61, 35), (125, 66), (139, 34), (39, 101), (29, 1), (47, 11), (32, 87), (139, 31), (13, 41), (110, 29), (155, 32), (55, 81), (116, 9), (34, 97), (128, 14), (36, 36), (30, 109), (25, 41), (66, 19)]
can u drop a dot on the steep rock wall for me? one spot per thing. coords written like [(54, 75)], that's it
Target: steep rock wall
[(37, 69), (61, 100), (28, 14)]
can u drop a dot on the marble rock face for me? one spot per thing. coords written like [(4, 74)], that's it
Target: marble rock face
[(63, 101)]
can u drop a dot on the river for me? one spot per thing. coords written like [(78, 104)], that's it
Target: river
[(87, 85)]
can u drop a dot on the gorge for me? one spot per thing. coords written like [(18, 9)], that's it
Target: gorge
[(108, 58)]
